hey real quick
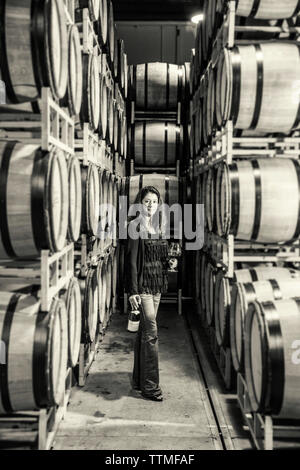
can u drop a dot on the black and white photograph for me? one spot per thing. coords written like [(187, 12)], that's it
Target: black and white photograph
[(149, 228)]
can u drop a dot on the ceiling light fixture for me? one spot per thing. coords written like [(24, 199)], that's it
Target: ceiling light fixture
[(195, 19)]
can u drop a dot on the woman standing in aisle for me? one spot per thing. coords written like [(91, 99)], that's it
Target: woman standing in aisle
[(147, 279)]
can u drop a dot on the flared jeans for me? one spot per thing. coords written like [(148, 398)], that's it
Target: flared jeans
[(145, 370)]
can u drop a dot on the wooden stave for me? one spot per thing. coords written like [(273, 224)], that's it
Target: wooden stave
[(37, 187), (41, 391), (90, 199), (74, 174), (279, 373), (259, 114), (38, 58), (110, 118), (90, 298), (72, 298), (164, 151), (239, 298), (90, 106), (256, 227)]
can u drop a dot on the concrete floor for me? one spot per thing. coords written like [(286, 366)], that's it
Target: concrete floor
[(108, 414)]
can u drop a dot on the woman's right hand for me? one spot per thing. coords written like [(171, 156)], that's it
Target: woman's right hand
[(135, 301)]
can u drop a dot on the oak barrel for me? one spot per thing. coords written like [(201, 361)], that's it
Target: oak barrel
[(272, 357), (36, 353), (156, 143), (73, 97), (34, 200), (157, 86), (102, 291), (37, 56), (75, 198), (90, 199), (103, 116), (90, 299), (280, 285), (108, 287), (72, 298), (268, 9), (249, 204), (228, 329), (255, 87), (209, 280), (90, 107)]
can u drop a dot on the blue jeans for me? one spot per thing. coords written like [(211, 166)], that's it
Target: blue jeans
[(145, 371)]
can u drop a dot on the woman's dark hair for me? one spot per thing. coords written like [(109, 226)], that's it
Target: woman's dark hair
[(159, 220)]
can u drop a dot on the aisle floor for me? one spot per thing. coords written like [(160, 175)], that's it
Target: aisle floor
[(108, 414)]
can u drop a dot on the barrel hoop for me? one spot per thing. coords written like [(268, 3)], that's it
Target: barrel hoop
[(257, 216), (168, 87), (3, 203), (297, 168), (276, 289), (264, 345), (249, 288), (276, 373), (37, 38), (297, 119), (235, 197), (40, 359), (146, 86), (3, 56), (166, 145), (253, 275), (255, 7), (259, 85), (297, 9), (144, 143), (37, 199), (236, 84), (7, 324)]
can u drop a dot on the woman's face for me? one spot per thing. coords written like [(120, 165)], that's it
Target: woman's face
[(150, 202)]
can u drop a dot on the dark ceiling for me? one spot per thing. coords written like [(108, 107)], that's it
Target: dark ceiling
[(155, 10)]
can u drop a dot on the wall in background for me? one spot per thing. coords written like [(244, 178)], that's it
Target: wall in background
[(157, 42)]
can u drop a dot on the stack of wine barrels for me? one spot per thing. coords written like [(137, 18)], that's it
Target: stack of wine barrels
[(255, 313), (230, 79), (48, 199), (104, 78), (157, 89)]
